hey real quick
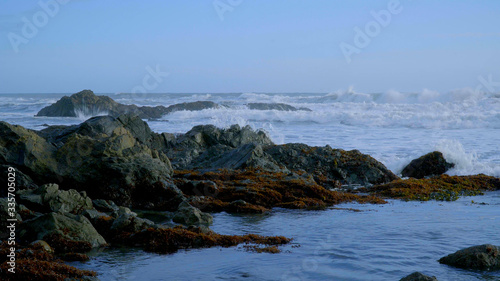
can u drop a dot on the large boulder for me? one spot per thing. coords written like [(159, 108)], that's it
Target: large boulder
[(482, 257), (417, 276), (348, 167), (110, 158), (28, 152), (431, 164), (86, 103), (73, 228)]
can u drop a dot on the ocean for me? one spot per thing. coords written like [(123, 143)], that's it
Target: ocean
[(382, 242)]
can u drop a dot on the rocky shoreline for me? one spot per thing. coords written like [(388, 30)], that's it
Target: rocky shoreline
[(77, 185)]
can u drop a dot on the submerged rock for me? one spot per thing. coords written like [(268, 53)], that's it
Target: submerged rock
[(482, 257), (431, 164), (417, 276), (86, 103), (275, 106)]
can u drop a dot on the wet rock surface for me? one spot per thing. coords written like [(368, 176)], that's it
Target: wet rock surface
[(482, 257), (431, 164)]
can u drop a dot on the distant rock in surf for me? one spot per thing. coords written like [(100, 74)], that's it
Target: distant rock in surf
[(275, 106), (87, 104), (431, 164)]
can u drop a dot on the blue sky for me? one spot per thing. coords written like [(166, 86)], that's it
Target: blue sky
[(252, 46)]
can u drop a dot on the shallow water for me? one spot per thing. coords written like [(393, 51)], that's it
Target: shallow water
[(381, 242)]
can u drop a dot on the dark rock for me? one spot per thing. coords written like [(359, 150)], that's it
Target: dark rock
[(247, 155), (202, 143), (417, 276), (49, 198), (430, 164), (189, 215), (86, 103), (193, 106), (482, 257), (22, 180), (274, 106), (348, 167), (105, 205), (109, 158), (25, 150), (128, 221), (69, 227)]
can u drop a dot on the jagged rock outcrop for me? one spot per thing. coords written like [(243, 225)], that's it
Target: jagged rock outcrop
[(205, 143), (86, 103), (482, 257), (431, 164), (348, 167), (275, 106)]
